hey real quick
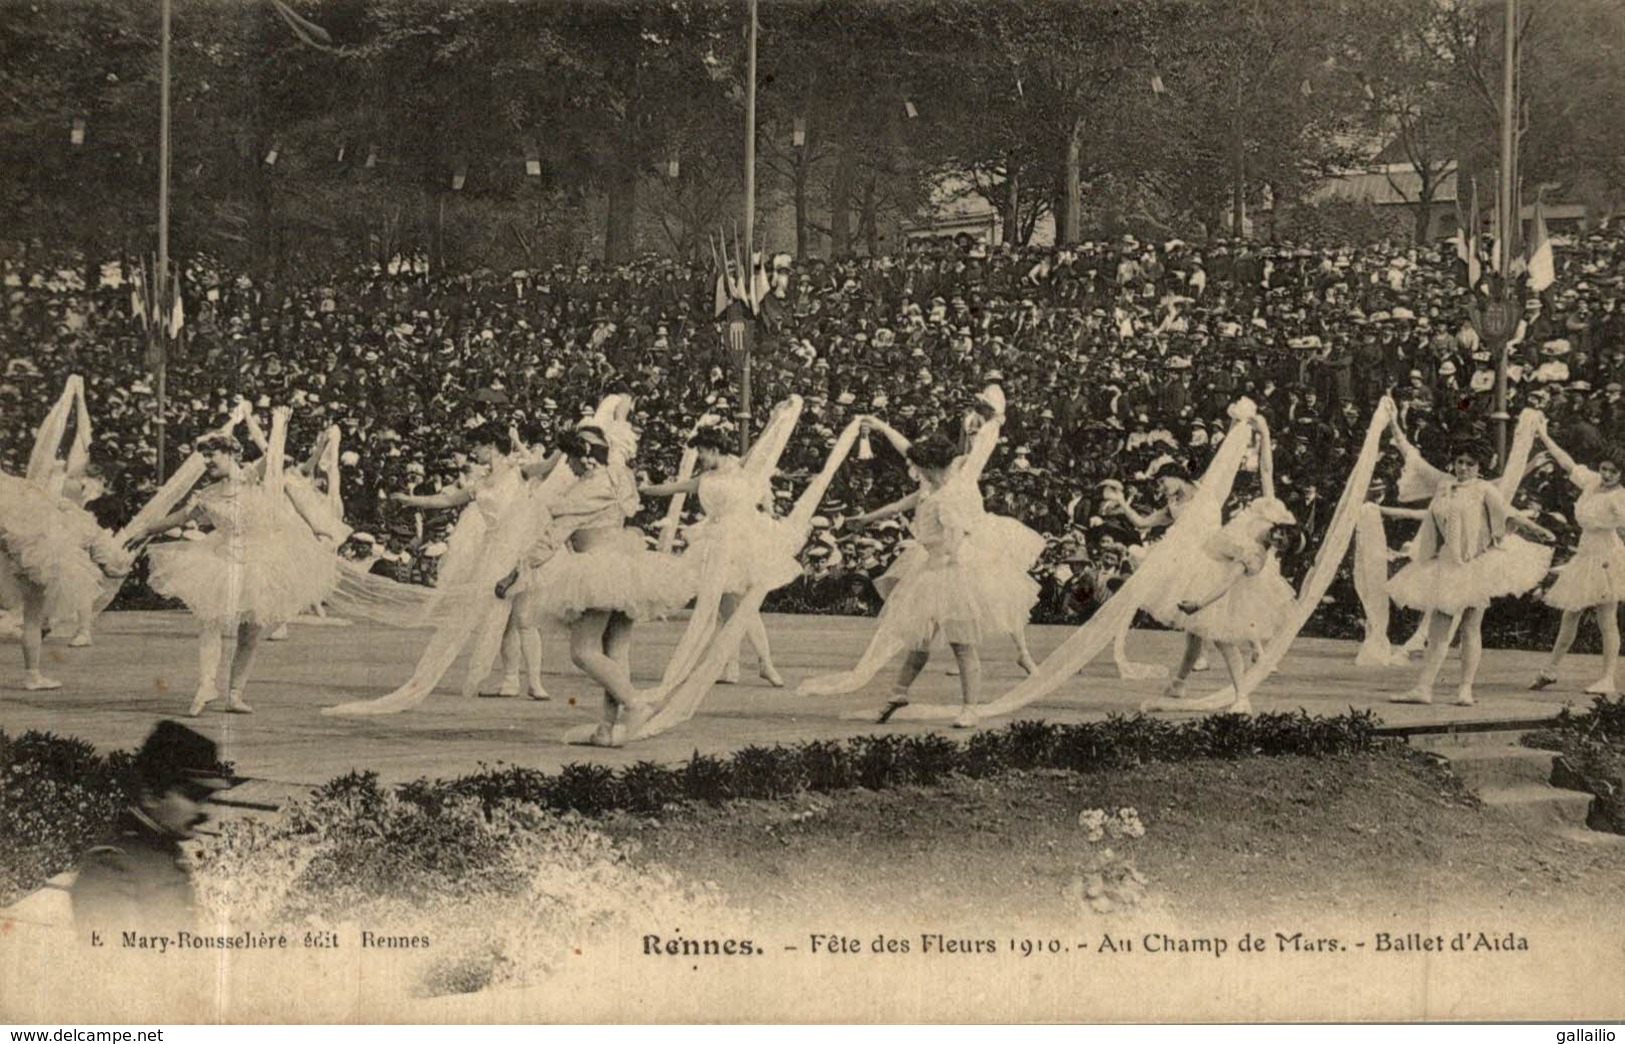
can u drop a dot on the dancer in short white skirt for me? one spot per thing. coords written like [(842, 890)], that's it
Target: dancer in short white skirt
[(752, 548), (53, 557), (1594, 578), (1235, 593), (1465, 559), (588, 570), (260, 566)]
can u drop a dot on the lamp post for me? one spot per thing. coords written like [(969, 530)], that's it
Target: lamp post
[(748, 261), (1502, 314)]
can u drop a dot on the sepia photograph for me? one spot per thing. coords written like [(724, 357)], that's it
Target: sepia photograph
[(812, 512)]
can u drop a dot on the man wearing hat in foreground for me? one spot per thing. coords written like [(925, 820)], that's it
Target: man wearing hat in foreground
[(140, 876)]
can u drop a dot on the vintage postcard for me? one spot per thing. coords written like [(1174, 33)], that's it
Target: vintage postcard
[(820, 512)]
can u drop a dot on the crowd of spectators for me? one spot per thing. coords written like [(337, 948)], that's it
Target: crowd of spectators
[(1114, 356)]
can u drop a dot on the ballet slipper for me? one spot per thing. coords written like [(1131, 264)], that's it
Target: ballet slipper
[(1201, 664), (1604, 686), (278, 635), (952, 672), (1414, 696), (893, 705), (603, 736), (967, 719), (1028, 665), (510, 686), (37, 682), (634, 717), (1241, 706), (1175, 690), (1543, 680), (730, 674), (538, 691), (1223, 700), (206, 694), (80, 640), (1464, 698), (235, 705), (771, 675)]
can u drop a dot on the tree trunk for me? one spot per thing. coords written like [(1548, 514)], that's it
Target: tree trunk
[(1423, 214), (620, 229), (1012, 206), (1071, 223), (840, 206), (869, 219), (800, 182), (1238, 185)]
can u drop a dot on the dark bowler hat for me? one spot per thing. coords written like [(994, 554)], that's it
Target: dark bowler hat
[(174, 755)]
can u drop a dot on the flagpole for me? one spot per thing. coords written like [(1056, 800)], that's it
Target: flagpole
[(161, 297), (1504, 205), (748, 262)]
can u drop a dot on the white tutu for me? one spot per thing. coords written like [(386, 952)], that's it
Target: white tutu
[(1510, 568), (997, 543), (964, 602), (1595, 575), (618, 575), (47, 542), (754, 550), (264, 568), (1252, 610), (1195, 578)]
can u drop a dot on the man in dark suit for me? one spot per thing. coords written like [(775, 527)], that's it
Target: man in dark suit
[(139, 879)]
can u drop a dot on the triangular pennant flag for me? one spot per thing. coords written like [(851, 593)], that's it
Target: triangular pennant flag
[(341, 154), (673, 167), (1467, 239), (1542, 266), (798, 132), (272, 155), (1306, 89), (1157, 85), (459, 177), (177, 314), (76, 136), (533, 167), (909, 108), (372, 157)]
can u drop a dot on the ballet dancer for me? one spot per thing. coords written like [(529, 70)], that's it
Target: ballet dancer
[(1238, 596), (588, 569), (1464, 559), (997, 536), (260, 566), (53, 557), (1595, 577), (752, 549)]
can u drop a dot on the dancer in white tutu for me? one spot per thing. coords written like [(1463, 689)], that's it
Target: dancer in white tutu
[(1237, 596), (1177, 491), (1014, 544), (487, 491), (738, 531), (260, 566), (960, 592), (1464, 558), (589, 570), (53, 557), (1595, 577)]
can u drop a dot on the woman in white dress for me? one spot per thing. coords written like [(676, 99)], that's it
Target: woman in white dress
[(594, 573), (738, 531), (53, 557), (1594, 578), (484, 495), (994, 536), (1237, 596), (1464, 558), (260, 566), (958, 592)]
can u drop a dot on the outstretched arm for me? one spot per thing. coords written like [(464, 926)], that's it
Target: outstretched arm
[(542, 468), (893, 436), (446, 498), (671, 489), (896, 507), (1234, 572), (175, 518), (1564, 461), (1266, 458)]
